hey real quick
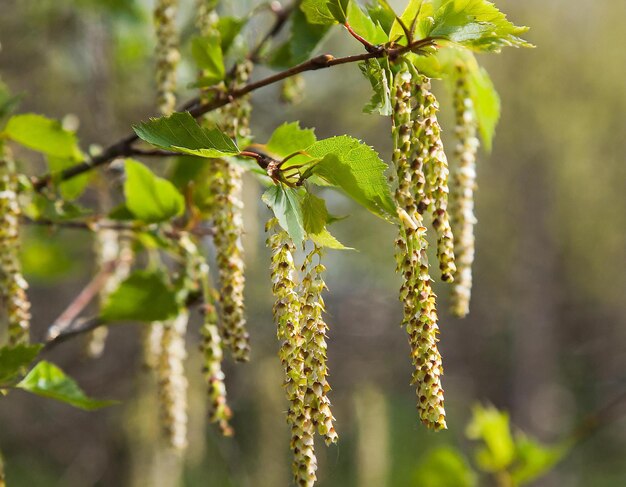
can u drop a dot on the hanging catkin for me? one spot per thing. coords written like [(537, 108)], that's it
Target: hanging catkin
[(13, 286), (225, 187), (114, 254), (314, 330), (167, 54), (462, 195), (198, 270), (172, 381), (437, 172), (287, 315), (411, 149)]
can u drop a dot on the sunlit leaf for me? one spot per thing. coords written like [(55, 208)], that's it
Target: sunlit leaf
[(285, 202), (47, 380), (43, 135)]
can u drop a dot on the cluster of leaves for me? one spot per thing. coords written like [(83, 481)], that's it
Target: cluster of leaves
[(499, 452)]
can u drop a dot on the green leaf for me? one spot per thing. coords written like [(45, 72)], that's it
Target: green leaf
[(357, 169), (150, 198), (445, 467), (302, 42), (285, 202), (325, 12), (72, 188), (229, 28), (47, 380), (43, 135), (207, 53), (289, 138), (315, 218), (143, 296), (492, 428), (14, 359), (181, 133), (534, 459), (363, 25), (379, 77), (382, 14), (476, 24), (417, 16)]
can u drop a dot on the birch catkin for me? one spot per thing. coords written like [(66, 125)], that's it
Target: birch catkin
[(167, 54), (173, 382), (287, 315), (462, 196), (13, 286), (226, 186), (314, 330), (411, 150), (437, 172)]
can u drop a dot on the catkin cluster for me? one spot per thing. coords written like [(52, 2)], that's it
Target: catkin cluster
[(287, 315), (412, 152), (13, 286), (167, 54), (462, 193), (226, 187)]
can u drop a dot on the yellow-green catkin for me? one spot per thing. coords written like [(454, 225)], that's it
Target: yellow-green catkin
[(211, 347), (227, 180), (287, 315), (314, 329), (411, 150), (172, 381), (462, 193), (114, 254), (167, 54), (437, 172), (13, 286)]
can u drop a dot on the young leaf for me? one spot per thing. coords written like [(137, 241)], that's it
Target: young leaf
[(229, 28), (285, 202), (207, 53), (181, 133), (493, 428), (289, 138), (535, 459), (357, 169), (143, 296), (444, 467), (302, 42), (379, 77), (417, 17), (14, 359), (47, 380), (43, 135), (476, 24), (326, 12), (72, 188), (315, 218), (150, 198), (363, 25)]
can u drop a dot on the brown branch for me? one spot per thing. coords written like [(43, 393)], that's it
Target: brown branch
[(79, 327), (124, 148)]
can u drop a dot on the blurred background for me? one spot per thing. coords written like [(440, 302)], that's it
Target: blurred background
[(546, 337)]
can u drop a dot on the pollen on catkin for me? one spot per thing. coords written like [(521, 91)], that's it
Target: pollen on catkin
[(437, 172), (226, 186), (172, 382), (13, 286), (462, 193), (167, 54), (314, 329), (287, 315), (411, 149)]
